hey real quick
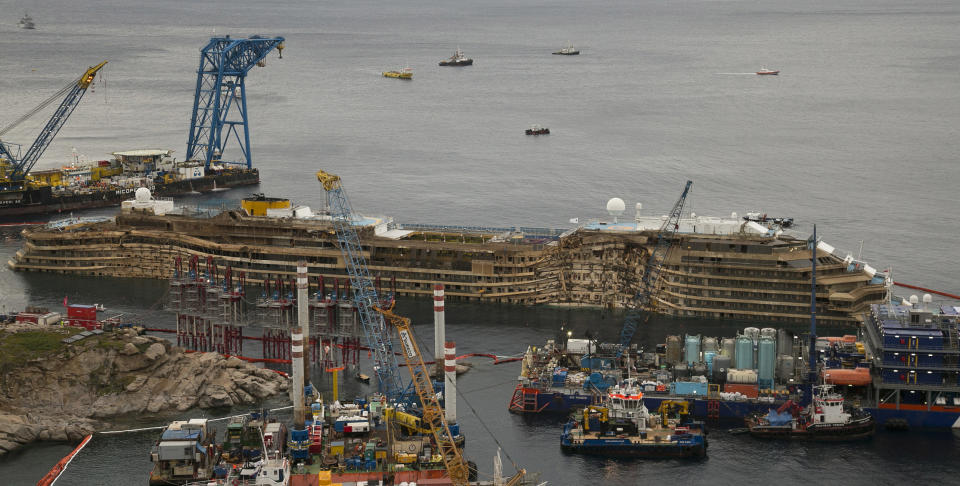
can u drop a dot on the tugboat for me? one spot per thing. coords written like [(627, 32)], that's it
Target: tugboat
[(623, 427), (405, 73), (826, 419), (768, 72), (538, 130), (568, 51), (26, 22), (457, 59)]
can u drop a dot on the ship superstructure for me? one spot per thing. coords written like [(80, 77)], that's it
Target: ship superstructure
[(914, 355)]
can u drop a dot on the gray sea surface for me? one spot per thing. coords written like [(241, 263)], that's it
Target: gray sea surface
[(858, 134)]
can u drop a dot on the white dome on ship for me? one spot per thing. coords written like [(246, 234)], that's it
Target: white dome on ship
[(616, 206), (142, 194), (927, 298)]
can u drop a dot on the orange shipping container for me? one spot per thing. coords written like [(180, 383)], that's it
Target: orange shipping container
[(750, 391)]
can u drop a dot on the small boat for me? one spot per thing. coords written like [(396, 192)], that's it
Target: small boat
[(405, 73), (623, 427), (26, 22), (362, 378), (826, 419), (457, 59), (768, 72), (538, 130), (568, 51)]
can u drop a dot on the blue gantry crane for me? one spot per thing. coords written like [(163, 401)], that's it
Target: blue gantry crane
[(364, 291), (645, 299), (14, 172), (220, 101)]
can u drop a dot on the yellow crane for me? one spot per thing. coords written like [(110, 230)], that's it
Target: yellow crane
[(432, 411)]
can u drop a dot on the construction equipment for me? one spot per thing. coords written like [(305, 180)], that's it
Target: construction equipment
[(432, 411), (644, 303), (220, 101), (364, 291), (679, 409), (14, 170)]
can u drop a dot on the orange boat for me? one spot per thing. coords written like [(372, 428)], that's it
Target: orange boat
[(855, 376)]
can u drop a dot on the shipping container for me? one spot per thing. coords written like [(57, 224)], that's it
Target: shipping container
[(750, 391)]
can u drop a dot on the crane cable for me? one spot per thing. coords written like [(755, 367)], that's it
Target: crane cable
[(41, 106), (477, 415)]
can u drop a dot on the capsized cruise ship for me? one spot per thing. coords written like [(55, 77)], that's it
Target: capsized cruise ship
[(719, 268)]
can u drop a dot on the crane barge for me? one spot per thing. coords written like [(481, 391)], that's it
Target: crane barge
[(219, 118)]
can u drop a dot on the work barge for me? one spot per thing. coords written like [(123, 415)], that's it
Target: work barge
[(718, 268)]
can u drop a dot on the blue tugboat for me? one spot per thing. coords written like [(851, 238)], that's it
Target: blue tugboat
[(623, 427)]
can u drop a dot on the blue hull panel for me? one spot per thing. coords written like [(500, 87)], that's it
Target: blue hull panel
[(565, 403), (917, 418)]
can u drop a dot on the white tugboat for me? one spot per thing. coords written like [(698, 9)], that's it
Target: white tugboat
[(826, 418)]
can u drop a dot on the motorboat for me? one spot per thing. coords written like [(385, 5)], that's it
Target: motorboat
[(26, 22), (405, 73), (538, 130), (768, 72)]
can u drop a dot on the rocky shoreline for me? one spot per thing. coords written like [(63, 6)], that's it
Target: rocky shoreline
[(62, 392)]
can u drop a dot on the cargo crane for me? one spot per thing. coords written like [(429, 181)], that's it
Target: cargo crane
[(645, 300), (364, 291), (13, 173), (220, 101), (433, 416)]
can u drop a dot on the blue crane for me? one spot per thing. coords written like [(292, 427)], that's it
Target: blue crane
[(364, 291), (646, 296), (220, 101), (20, 167)]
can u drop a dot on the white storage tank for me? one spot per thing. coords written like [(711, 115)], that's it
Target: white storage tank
[(709, 345), (729, 347), (578, 346), (742, 377)]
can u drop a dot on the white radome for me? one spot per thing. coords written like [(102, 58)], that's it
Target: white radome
[(142, 194), (616, 206)]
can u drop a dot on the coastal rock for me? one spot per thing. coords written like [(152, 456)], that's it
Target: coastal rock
[(129, 349), (66, 395), (154, 351)]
